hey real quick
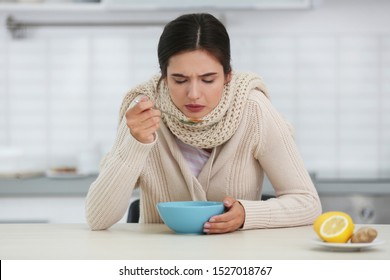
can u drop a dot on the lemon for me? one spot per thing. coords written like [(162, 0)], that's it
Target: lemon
[(334, 226)]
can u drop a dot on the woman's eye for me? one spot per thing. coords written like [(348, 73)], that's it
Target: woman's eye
[(180, 81), (208, 81)]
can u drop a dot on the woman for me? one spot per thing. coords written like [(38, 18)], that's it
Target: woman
[(218, 138)]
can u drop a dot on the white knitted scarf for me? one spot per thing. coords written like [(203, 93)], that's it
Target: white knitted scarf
[(218, 126)]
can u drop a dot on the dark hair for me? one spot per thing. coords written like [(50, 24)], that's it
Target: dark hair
[(194, 32)]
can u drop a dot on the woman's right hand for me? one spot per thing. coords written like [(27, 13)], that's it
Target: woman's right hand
[(143, 121)]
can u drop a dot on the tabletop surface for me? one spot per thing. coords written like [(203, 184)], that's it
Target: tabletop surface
[(156, 241)]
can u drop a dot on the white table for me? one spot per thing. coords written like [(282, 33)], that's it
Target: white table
[(156, 241)]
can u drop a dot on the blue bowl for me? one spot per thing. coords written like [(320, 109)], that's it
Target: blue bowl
[(188, 217)]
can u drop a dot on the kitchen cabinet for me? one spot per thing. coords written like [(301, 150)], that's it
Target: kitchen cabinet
[(19, 16), (366, 200), (142, 5), (207, 4), (363, 208), (45, 209), (45, 200)]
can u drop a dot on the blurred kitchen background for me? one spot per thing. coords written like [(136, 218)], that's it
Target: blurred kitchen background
[(66, 65)]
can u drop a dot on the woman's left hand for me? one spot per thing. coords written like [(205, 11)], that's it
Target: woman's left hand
[(229, 221)]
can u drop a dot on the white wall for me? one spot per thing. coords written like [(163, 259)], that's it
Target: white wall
[(327, 69)]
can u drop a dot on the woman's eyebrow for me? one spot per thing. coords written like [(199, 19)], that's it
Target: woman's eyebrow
[(209, 74), (179, 75)]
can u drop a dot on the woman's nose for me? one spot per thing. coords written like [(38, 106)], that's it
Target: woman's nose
[(193, 91)]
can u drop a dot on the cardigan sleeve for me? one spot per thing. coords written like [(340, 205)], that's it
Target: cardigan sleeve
[(109, 195), (297, 202)]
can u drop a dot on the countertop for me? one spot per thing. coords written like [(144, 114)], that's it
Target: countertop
[(156, 241)]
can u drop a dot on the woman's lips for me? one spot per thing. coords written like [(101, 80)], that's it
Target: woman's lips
[(194, 108)]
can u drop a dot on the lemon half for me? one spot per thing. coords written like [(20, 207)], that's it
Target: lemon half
[(336, 227)]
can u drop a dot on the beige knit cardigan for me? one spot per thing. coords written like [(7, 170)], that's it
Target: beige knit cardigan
[(263, 144)]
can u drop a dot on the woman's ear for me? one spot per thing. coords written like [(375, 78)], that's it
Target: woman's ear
[(228, 77)]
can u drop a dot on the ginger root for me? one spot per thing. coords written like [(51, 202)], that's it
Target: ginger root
[(364, 235)]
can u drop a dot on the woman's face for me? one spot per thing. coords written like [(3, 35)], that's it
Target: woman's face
[(195, 81)]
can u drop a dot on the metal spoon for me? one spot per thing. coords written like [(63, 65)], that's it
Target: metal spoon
[(188, 121)]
